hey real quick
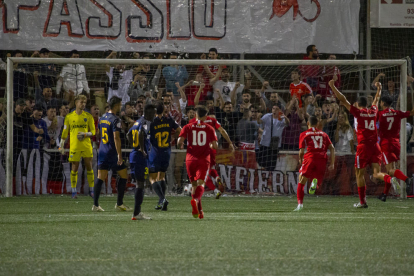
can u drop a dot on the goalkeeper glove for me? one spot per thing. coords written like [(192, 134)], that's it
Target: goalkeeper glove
[(83, 135)]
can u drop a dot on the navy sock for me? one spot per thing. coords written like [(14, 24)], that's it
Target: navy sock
[(164, 187), (97, 191), (121, 190), (158, 190), (139, 198)]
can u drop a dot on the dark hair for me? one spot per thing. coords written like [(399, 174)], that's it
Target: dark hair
[(309, 49), (71, 53), (253, 106), (160, 108), (201, 111), (387, 100), (246, 92), (114, 101), (227, 103), (51, 106), (209, 98), (296, 71), (44, 51), (188, 108), (362, 101), (313, 120), (213, 50), (129, 103), (29, 98), (63, 103), (148, 107), (15, 52), (37, 108)]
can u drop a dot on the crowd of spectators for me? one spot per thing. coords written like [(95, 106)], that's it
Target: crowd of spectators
[(255, 117)]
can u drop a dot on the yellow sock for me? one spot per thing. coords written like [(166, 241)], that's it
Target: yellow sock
[(73, 180), (91, 178)]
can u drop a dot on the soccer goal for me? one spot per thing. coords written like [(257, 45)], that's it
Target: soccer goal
[(238, 93)]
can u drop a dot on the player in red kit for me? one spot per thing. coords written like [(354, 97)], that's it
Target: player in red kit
[(368, 150), (313, 163), (200, 139), (212, 172), (389, 133)]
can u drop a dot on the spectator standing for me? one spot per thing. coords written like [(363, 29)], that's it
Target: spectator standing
[(310, 73), (298, 88), (247, 131), (330, 115), (271, 138), (44, 95), (47, 72), (192, 89), (329, 73), (173, 74), (33, 139), (265, 103), (53, 128), (228, 120), (20, 72), (73, 80), (210, 71), (311, 103), (390, 90), (296, 115), (96, 139), (344, 137), (225, 86)]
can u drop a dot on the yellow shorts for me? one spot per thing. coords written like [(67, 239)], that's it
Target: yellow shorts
[(75, 156)]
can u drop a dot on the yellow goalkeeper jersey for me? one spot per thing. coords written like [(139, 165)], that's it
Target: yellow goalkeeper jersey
[(75, 123)]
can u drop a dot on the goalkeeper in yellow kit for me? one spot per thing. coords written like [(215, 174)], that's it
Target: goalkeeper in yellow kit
[(81, 126)]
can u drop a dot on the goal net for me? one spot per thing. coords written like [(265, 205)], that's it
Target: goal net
[(241, 95)]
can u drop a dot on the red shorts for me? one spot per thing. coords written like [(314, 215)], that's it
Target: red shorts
[(197, 169), (213, 158), (390, 152), (314, 168), (367, 154)]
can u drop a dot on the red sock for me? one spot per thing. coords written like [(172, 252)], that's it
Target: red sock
[(210, 184), (199, 193), (361, 193), (300, 193), (400, 175), (192, 196), (213, 173), (387, 179), (387, 188), (200, 208)]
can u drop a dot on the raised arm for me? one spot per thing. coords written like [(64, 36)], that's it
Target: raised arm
[(217, 76), (233, 94), (378, 95), (377, 78), (197, 97), (112, 55), (339, 95)]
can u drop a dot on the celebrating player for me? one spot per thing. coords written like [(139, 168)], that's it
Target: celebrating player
[(110, 146), (138, 158), (314, 161), (200, 139), (160, 153), (389, 133), (368, 150), (212, 172), (81, 126)]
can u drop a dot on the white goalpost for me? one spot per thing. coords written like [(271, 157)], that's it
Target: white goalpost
[(275, 71)]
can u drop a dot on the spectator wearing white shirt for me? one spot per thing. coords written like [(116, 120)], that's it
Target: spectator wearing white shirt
[(224, 85), (73, 80), (54, 127), (344, 137)]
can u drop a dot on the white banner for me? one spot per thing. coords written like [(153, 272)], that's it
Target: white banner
[(194, 26), (392, 13)]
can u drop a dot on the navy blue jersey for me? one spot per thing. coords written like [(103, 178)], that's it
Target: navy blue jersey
[(109, 123), (144, 125), (160, 133)]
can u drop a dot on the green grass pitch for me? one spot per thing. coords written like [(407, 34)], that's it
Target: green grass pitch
[(53, 235)]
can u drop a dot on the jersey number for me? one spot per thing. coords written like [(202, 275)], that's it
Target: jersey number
[(162, 138), (135, 139), (104, 135), (390, 120), (199, 138), (317, 141), (370, 126)]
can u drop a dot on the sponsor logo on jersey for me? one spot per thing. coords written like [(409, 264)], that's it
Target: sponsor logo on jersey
[(85, 119), (79, 126)]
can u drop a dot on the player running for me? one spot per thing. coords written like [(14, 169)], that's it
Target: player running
[(81, 126), (110, 146), (313, 163), (138, 158), (160, 153), (368, 150), (212, 172), (200, 139), (389, 133)]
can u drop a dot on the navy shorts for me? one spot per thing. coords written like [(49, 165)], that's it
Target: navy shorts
[(107, 166), (158, 161), (139, 169)]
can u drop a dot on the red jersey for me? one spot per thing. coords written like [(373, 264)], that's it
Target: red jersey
[(209, 121), (366, 124), (390, 124), (299, 90), (191, 92), (316, 143), (199, 136), (309, 70)]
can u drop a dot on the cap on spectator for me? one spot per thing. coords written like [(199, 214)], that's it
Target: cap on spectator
[(21, 102), (44, 50)]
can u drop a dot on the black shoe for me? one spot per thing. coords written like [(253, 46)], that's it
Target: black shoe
[(164, 205), (408, 185), (158, 207), (180, 190), (383, 197)]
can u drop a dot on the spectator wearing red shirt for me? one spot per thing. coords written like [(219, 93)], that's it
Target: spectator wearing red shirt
[(297, 88), (209, 71), (192, 89), (310, 73), (329, 73)]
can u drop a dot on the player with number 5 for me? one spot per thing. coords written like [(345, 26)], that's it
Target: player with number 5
[(313, 163), (200, 138), (368, 149)]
